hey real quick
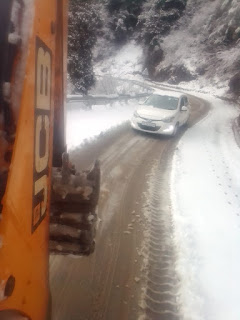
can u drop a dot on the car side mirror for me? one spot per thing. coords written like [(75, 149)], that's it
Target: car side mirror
[(184, 108)]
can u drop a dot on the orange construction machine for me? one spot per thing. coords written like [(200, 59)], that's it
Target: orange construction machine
[(45, 205)]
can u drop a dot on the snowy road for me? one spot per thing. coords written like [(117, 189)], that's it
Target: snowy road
[(131, 273)]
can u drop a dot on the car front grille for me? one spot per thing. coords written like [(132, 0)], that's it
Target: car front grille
[(144, 127)]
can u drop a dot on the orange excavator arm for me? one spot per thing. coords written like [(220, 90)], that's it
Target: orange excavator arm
[(32, 79), (39, 188)]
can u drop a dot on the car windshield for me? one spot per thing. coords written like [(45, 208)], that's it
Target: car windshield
[(162, 102)]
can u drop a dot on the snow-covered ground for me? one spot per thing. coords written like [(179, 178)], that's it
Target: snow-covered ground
[(205, 193), (85, 125), (195, 87), (127, 61), (206, 216)]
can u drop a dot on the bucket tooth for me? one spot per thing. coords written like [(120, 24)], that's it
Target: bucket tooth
[(81, 221), (73, 209), (65, 248)]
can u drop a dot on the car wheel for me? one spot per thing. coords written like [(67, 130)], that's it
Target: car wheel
[(175, 129)]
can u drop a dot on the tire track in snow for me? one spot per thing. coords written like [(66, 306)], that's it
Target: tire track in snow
[(159, 299)]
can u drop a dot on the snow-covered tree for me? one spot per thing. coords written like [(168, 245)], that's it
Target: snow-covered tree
[(84, 23), (123, 17), (157, 18), (155, 22)]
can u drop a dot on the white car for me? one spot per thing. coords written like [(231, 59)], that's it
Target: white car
[(162, 113)]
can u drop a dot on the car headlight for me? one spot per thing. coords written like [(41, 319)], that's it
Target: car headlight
[(136, 115), (168, 120)]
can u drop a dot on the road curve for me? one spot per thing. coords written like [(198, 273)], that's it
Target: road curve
[(131, 273)]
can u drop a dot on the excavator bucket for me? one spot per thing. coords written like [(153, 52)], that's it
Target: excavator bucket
[(73, 209)]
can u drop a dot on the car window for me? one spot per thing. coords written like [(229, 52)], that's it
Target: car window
[(186, 101), (162, 102)]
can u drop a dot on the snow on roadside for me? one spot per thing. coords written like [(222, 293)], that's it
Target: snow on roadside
[(84, 125), (206, 216), (128, 60)]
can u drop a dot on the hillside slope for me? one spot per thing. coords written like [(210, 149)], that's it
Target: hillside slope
[(194, 41), (205, 44)]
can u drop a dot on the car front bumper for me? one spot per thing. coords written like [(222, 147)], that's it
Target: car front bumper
[(157, 127)]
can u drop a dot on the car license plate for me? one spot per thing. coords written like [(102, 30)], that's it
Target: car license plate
[(149, 124)]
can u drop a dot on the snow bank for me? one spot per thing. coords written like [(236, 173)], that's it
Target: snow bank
[(206, 216), (83, 125)]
